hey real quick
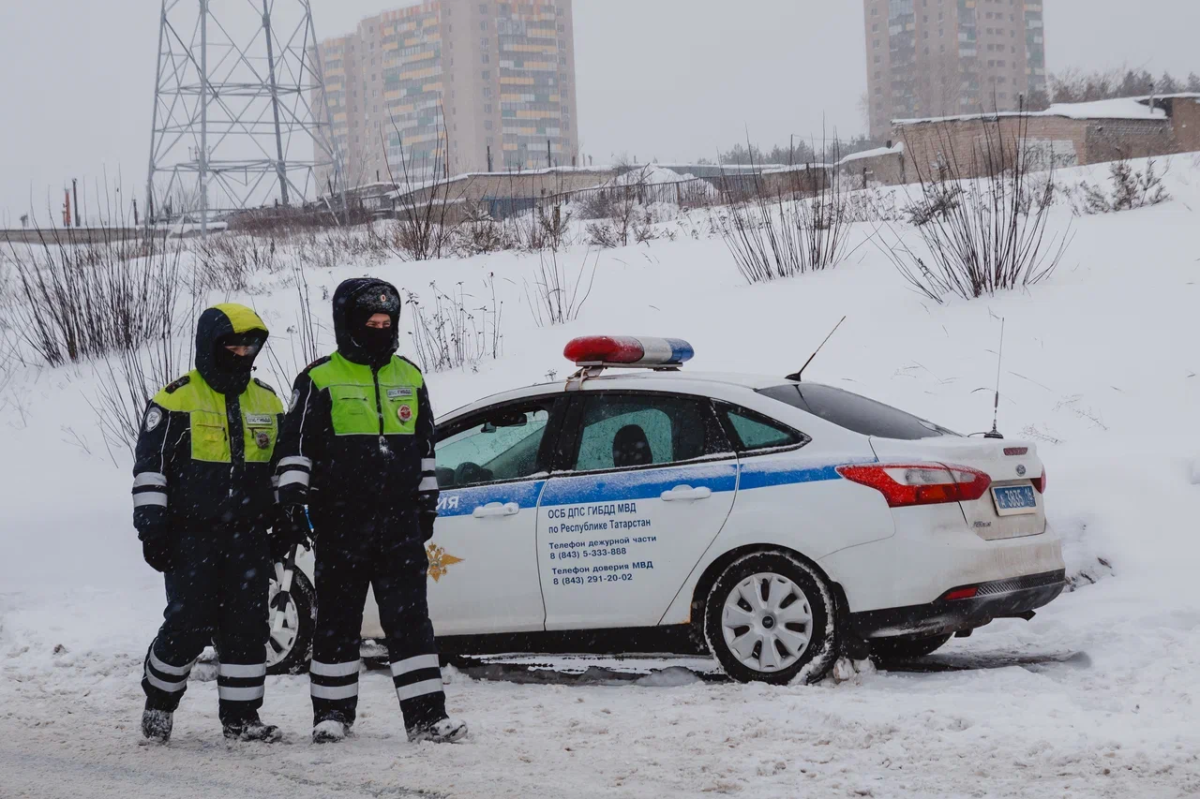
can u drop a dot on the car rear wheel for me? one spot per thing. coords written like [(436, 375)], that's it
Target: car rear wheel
[(290, 649), (906, 647), (770, 618)]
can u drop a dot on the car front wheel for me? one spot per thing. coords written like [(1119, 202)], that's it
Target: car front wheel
[(289, 649), (770, 618)]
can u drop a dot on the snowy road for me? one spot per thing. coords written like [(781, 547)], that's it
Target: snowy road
[(1096, 697)]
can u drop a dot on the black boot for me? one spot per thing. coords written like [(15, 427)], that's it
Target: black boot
[(252, 729), (156, 725), (446, 731)]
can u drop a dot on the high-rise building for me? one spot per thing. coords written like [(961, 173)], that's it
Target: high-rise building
[(451, 86), (933, 58)]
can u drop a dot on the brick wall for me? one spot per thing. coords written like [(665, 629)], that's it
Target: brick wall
[(973, 145), (1187, 124), (1115, 139)]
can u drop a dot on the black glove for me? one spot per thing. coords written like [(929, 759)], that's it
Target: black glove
[(291, 530), (427, 520), (157, 552)]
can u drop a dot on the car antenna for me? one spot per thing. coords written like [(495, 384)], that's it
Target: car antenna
[(799, 376), (995, 433)]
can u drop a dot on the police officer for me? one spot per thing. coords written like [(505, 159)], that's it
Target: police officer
[(202, 502), (358, 449)]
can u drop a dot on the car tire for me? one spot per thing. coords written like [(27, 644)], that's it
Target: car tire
[(290, 651), (755, 598), (906, 647)]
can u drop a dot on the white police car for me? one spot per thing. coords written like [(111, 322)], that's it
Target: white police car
[(774, 523)]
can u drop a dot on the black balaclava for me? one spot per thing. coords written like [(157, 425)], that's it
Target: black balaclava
[(225, 372), (354, 303)]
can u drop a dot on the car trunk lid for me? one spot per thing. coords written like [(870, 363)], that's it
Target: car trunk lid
[(1012, 507)]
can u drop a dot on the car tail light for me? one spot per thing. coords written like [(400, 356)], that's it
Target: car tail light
[(1040, 482), (962, 593), (920, 484)]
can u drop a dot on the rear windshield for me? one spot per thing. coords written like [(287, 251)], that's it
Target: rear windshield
[(859, 414)]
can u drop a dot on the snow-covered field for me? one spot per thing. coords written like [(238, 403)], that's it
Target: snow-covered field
[(1097, 696)]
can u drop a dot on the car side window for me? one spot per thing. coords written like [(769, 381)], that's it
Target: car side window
[(752, 431), (623, 431), (501, 445)]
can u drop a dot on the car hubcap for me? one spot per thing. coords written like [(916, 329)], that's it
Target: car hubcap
[(280, 644), (767, 622)]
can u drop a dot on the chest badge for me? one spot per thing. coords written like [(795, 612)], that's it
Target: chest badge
[(404, 413), (262, 439), (439, 560)]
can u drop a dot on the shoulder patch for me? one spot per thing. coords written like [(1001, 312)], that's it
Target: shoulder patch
[(261, 384), (318, 362), (178, 384)]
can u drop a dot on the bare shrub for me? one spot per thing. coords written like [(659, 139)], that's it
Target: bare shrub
[(558, 293), (303, 335), (938, 203), (1129, 190), (421, 231), (228, 261), (985, 240), (130, 376), (791, 232), (85, 296), (451, 332)]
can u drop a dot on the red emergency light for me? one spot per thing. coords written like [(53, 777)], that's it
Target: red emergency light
[(628, 351)]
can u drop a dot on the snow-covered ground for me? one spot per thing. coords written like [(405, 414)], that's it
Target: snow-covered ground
[(1097, 696)]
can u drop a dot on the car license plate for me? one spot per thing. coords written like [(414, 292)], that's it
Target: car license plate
[(1014, 500)]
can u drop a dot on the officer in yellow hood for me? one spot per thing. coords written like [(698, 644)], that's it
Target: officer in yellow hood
[(202, 503)]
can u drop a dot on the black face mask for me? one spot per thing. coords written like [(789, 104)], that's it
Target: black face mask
[(376, 341), (234, 364)]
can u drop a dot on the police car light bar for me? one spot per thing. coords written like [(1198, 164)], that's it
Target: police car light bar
[(628, 351)]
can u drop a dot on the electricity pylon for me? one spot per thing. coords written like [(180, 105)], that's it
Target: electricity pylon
[(235, 126)]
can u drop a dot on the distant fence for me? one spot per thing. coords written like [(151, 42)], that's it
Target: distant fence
[(74, 235), (687, 194)]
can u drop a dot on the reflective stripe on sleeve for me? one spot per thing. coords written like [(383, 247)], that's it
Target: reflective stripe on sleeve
[(429, 464), (334, 692), (423, 688), (150, 479), (428, 484), (295, 460), (294, 478), (149, 498)]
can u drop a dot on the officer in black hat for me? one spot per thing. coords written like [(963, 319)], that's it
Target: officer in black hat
[(358, 449)]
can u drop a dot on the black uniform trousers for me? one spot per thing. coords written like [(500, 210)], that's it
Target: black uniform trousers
[(386, 553), (217, 592)]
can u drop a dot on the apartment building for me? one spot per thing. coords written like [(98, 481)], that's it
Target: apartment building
[(452, 86), (934, 58)]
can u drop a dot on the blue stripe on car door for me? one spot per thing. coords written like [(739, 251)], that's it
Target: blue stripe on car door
[(464, 501), (650, 484)]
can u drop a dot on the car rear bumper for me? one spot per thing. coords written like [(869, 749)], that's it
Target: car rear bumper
[(1012, 598)]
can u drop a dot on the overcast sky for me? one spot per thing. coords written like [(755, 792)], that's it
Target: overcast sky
[(665, 79)]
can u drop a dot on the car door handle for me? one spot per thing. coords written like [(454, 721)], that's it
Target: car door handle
[(494, 509), (686, 494)]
